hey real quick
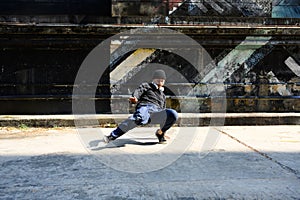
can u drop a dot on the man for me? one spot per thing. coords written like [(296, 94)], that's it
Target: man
[(151, 108)]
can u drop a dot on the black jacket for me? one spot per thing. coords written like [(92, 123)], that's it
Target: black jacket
[(149, 93)]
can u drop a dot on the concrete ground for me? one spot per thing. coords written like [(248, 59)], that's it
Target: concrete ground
[(231, 162)]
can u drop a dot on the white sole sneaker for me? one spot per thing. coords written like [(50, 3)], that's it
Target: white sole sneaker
[(107, 139)]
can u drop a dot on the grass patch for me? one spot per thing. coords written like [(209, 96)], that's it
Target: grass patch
[(23, 126)]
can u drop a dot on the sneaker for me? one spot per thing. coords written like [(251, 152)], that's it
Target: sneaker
[(107, 139), (160, 136)]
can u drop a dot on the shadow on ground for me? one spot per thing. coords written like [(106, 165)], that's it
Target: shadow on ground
[(218, 175)]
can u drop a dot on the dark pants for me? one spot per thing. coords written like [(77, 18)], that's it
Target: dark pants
[(147, 114)]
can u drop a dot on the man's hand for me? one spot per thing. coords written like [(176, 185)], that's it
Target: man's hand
[(133, 99)]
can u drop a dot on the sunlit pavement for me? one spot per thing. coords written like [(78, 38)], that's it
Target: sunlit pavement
[(231, 162)]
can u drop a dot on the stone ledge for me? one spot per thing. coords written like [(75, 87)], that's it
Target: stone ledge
[(69, 30), (185, 119)]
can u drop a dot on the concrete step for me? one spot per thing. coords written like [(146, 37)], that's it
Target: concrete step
[(185, 119)]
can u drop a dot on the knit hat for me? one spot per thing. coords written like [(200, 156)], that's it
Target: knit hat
[(159, 74)]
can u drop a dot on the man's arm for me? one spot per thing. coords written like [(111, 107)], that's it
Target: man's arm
[(139, 92), (133, 99)]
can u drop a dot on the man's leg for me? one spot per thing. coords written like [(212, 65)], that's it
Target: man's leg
[(172, 117), (166, 119), (123, 128), (140, 117)]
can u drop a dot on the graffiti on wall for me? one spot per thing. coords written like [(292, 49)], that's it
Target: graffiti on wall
[(257, 72), (286, 9)]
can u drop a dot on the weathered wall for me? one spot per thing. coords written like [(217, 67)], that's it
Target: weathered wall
[(135, 8), (57, 7), (144, 11), (232, 8), (249, 8), (39, 62), (286, 9), (39, 65)]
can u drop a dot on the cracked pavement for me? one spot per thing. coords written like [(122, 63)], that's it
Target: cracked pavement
[(247, 162)]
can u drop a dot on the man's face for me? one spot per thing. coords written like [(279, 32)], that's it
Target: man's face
[(159, 82)]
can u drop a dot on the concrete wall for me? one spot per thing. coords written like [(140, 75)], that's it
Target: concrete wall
[(57, 7), (136, 8), (143, 11), (39, 62), (233, 8), (286, 9), (38, 69)]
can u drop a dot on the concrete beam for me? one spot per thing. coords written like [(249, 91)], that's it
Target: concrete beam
[(232, 61), (185, 119), (293, 65), (131, 62)]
